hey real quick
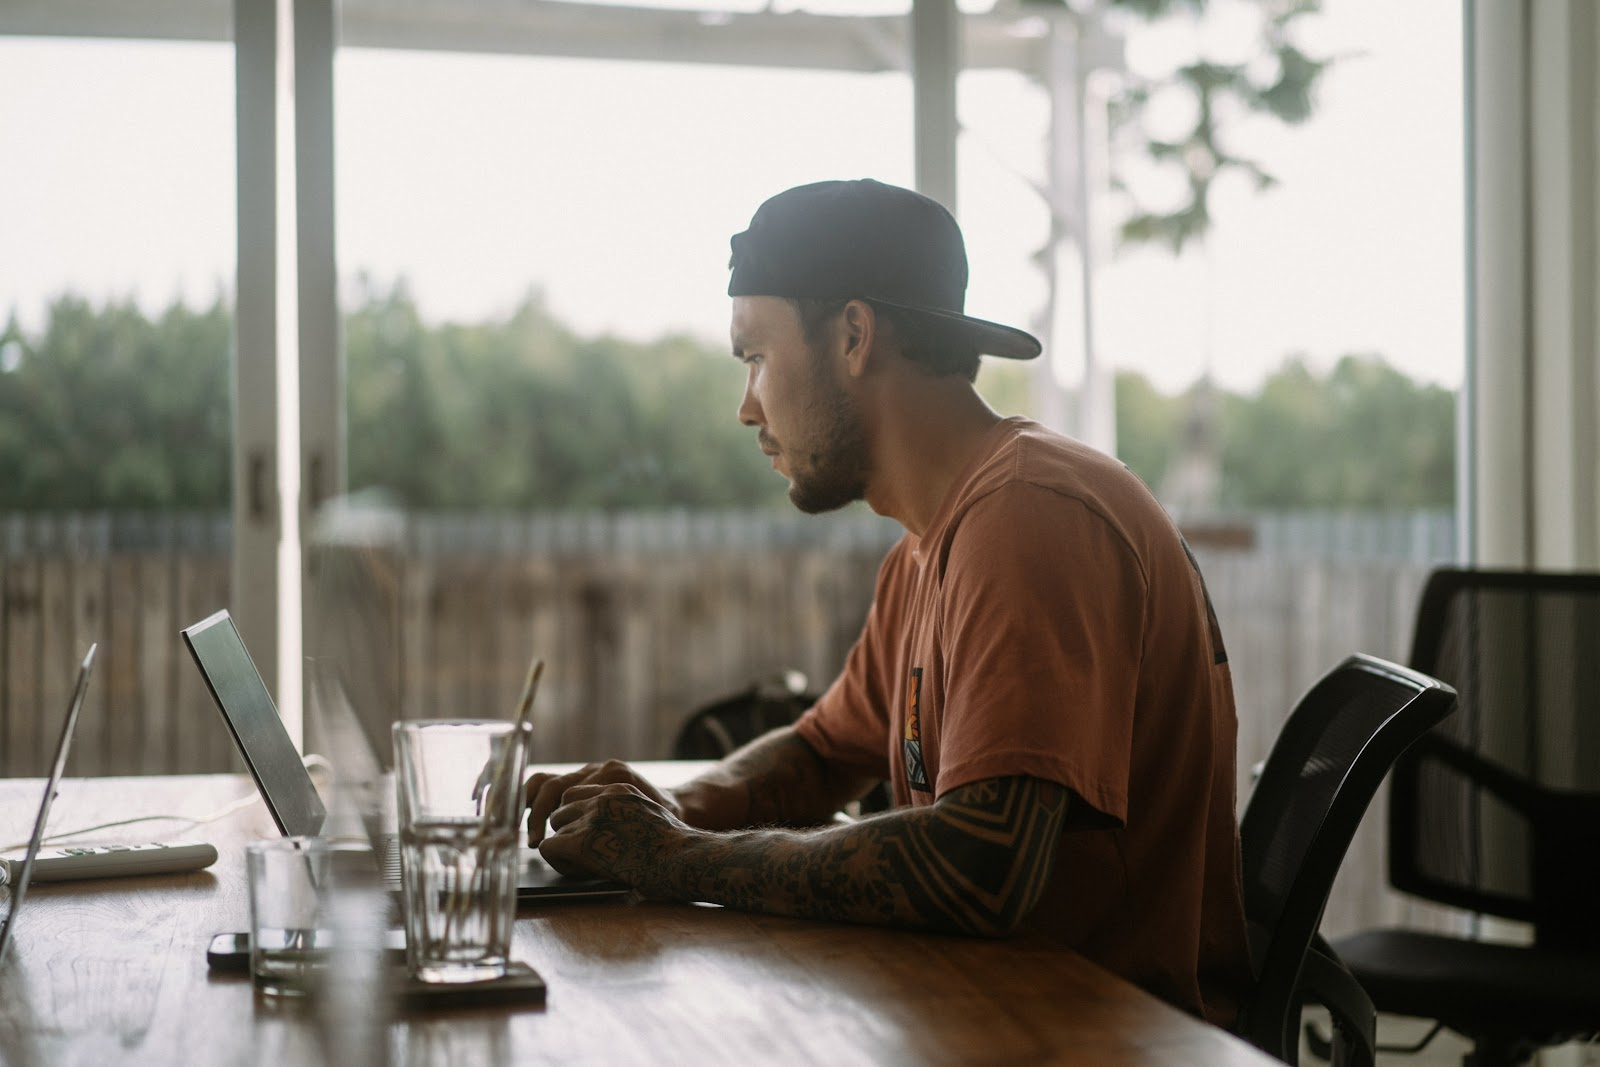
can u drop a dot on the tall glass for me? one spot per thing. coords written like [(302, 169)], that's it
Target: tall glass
[(459, 795)]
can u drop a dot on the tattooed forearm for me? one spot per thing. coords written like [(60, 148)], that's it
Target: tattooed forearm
[(975, 862), (783, 784), (776, 780)]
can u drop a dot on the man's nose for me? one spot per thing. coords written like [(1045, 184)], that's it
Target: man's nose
[(749, 407)]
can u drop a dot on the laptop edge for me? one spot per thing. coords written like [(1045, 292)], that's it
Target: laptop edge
[(20, 874), (280, 775)]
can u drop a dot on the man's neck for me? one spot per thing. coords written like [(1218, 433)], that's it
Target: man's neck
[(924, 437)]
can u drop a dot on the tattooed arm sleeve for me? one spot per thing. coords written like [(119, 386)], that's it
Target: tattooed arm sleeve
[(776, 780), (974, 862)]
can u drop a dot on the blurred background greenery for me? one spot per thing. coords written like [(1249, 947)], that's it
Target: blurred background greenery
[(106, 407)]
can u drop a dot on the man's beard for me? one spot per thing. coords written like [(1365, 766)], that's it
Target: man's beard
[(833, 472)]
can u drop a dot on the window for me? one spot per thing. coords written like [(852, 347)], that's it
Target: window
[(117, 231)]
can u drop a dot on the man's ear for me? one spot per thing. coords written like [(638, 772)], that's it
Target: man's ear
[(860, 324)]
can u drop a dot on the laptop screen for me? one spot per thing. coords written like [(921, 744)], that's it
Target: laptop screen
[(18, 873), (252, 717)]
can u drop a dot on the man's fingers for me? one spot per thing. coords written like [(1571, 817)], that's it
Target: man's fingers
[(547, 792), (561, 854), (566, 815), (590, 790), (544, 792), (579, 801), (543, 796)]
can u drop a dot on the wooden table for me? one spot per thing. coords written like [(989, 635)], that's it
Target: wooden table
[(115, 971)]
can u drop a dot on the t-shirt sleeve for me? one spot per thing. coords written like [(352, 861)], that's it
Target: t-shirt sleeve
[(849, 724), (1042, 613)]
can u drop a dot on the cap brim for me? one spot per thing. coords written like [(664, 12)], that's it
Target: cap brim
[(989, 338)]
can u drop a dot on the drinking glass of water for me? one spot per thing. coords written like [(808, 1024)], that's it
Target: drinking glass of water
[(289, 939), (459, 800)]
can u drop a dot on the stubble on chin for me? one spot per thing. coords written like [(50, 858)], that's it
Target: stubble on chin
[(832, 473), (830, 479)]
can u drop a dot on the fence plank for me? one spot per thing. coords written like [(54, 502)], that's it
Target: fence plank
[(23, 705), (59, 655), (87, 580), (416, 583), (537, 627), (160, 655), (125, 688)]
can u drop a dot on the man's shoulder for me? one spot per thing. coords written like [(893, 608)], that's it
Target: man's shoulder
[(1030, 464)]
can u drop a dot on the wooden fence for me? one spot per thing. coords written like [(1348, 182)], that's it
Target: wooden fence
[(635, 633), (639, 621), (147, 710)]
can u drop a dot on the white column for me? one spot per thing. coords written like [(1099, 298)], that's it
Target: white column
[(1564, 195), (321, 358), (1534, 117), (1533, 394), (257, 510), (1078, 181), (935, 66), (321, 362), (1097, 403)]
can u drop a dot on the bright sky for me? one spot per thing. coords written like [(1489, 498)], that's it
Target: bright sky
[(614, 187)]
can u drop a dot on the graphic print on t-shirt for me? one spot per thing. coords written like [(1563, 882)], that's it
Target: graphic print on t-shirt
[(916, 772)]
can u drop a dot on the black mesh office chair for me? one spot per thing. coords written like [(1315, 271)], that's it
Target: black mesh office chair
[(1497, 811), (1316, 784), (724, 725)]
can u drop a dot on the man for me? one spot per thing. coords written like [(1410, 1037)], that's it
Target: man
[(1040, 677)]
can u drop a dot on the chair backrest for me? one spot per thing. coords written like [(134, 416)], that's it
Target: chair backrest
[(1324, 769), (1498, 810), (719, 728)]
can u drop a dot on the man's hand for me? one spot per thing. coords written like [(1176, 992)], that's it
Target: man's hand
[(976, 861), (613, 831), (547, 792)]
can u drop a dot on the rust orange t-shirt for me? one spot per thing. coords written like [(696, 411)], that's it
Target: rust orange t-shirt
[(1050, 622)]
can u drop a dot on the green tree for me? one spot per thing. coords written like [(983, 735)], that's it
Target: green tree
[(107, 409), (524, 414), (1365, 436), (1279, 82), (1149, 425)]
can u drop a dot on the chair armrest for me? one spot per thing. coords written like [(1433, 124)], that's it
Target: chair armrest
[(1517, 793)]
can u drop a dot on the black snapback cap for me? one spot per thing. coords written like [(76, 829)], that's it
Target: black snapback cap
[(864, 240)]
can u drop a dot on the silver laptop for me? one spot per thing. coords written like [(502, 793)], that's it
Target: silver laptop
[(284, 783), (14, 876)]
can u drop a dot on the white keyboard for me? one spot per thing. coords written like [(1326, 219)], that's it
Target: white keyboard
[(112, 861)]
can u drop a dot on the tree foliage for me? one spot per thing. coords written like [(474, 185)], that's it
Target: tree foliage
[(1279, 82), (1364, 435), (1361, 436), (106, 408), (524, 414), (1149, 426), (109, 409)]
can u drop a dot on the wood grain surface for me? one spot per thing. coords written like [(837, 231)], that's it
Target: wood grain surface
[(115, 972)]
